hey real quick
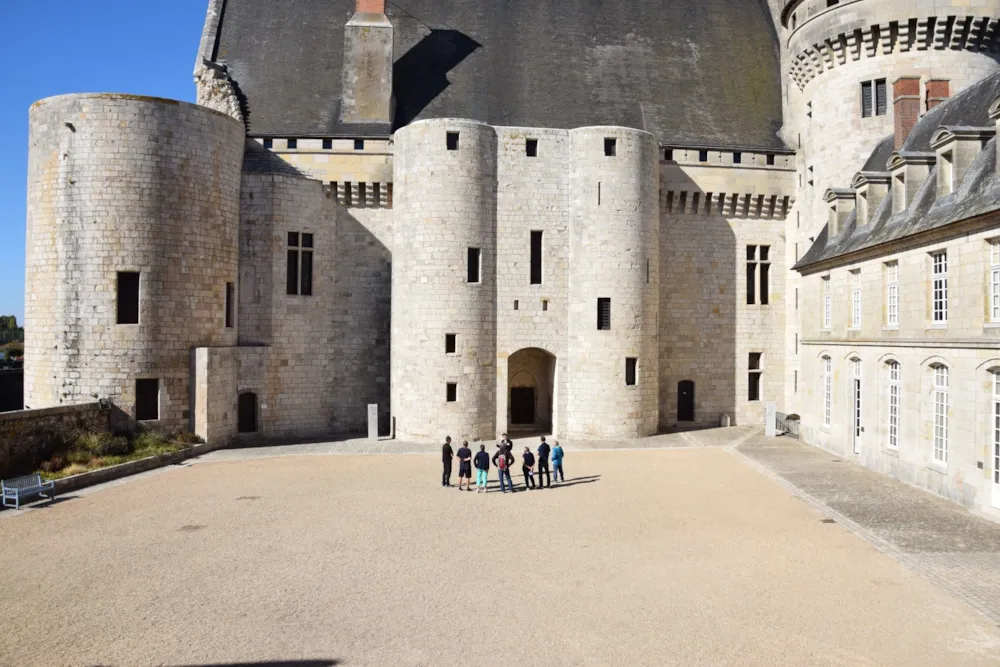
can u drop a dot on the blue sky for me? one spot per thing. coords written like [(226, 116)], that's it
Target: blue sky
[(58, 46)]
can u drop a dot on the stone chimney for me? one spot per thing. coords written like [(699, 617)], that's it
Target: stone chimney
[(906, 106), (938, 90), (368, 59)]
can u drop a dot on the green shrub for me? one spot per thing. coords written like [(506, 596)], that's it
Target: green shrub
[(54, 464), (188, 439), (151, 439), (100, 443)]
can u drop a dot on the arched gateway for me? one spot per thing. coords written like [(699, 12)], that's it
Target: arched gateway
[(531, 390)]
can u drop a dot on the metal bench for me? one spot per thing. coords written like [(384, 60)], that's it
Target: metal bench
[(29, 485)]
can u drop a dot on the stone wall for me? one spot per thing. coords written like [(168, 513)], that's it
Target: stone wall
[(25, 434), (968, 346), (215, 380), (124, 183), (445, 204)]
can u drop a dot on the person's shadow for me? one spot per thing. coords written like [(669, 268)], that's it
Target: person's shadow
[(573, 481)]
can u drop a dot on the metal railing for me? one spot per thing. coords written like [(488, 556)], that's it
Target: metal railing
[(788, 424)]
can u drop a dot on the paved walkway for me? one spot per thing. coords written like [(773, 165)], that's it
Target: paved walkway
[(717, 437), (931, 536)]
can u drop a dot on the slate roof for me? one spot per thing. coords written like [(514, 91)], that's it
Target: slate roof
[(977, 195), (694, 72)]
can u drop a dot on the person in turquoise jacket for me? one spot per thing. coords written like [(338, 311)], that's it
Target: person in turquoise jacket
[(557, 463)]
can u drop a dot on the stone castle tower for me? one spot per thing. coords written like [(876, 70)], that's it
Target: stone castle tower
[(479, 216)]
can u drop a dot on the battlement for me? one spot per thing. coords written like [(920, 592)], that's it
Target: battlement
[(823, 36)]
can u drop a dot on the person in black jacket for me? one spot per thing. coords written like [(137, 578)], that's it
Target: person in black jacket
[(447, 454), (482, 462), (543, 464), (527, 467), (503, 460), (464, 466)]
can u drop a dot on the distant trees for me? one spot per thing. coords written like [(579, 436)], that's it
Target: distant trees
[(8, 322)]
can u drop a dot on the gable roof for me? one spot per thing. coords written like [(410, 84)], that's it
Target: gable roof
[(693, 72), (977, 195)]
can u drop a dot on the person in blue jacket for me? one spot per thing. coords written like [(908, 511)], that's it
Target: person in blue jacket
[(557, 463)]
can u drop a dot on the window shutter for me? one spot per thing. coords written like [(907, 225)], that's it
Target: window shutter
[(881, 98), (866, 99)]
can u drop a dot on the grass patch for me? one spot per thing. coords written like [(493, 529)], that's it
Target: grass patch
[(88, 450)]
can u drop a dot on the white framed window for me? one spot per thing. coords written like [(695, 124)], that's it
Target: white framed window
[(892, 293), (996, 428), (995, 281), (939, 287), (827, 390), (856, 299), (827, 304), (941, 414), (894, 404)]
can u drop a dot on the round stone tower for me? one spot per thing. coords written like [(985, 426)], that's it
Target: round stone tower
[(613, 359), (443, 332), (132, 250)]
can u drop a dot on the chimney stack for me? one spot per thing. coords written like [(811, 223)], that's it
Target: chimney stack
[(368, 58), (906, 106), (938, 90)]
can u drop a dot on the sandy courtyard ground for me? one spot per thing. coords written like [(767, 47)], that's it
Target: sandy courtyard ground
[(658, 557)]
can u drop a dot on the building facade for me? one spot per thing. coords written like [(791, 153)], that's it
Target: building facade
[(490, 216)]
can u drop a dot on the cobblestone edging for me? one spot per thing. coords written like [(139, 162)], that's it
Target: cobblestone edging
[(970, 574), (111, 473)]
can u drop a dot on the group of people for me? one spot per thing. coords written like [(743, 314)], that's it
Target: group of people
[(502, 460)]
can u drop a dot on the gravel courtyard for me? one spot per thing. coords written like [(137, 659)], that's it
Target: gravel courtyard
[(655, 557)]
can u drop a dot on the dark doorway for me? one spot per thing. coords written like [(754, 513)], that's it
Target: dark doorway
[(247, 422), (522, 405), (685, 401)]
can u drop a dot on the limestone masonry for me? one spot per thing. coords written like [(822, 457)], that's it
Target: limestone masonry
[(503, 216)]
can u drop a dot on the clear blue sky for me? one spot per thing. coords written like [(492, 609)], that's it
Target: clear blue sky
[(58, 46)]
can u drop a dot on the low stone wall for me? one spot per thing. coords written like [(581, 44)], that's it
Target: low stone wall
[(27, 435)]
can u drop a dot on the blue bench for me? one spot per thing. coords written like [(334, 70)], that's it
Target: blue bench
[(29, 485)]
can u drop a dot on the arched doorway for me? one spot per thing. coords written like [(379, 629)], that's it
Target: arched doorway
[(247, 413), (685, 401), (530, 390)]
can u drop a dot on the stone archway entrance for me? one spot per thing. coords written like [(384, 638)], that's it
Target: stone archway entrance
[(530, 390)]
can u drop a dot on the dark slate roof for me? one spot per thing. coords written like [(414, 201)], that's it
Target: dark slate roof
[(880, 156), (978, 194), (693, 72)]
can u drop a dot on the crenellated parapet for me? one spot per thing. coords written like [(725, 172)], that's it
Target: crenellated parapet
[(821, 37)]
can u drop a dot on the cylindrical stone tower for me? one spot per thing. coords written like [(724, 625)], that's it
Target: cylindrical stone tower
[(443, 340), (132, 250), (613, 369)]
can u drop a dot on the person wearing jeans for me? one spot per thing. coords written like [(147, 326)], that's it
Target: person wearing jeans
[(557, 464), (503, 460), (527, 468), (544, 478)]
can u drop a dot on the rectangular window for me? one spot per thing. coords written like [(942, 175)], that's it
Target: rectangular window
[(939, 296), (450, 343), (758, 268), (668, 154), (473, 266), (452, 141), (630, 366), (754, 377), (894, 398), (531, 147), (892, 293), (128, 297), (299, 270), (881, 98), (610, 147), (545, 304), (536, 258), (327, 144), (867, 99), (856, 299), (769, 158), (517, 304), (451, 392), (147, 400), (827, 390), (737, 158), (359, 144), (269, 143), (293, 144), (230, 301), (702, 156), (995, 281), (941, 414), (827, 304), (604, 314), (751, 274)]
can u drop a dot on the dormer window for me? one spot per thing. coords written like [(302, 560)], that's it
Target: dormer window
[(899, 192), (946, 173)]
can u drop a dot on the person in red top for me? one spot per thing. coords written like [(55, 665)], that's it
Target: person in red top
[(503, 459)]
